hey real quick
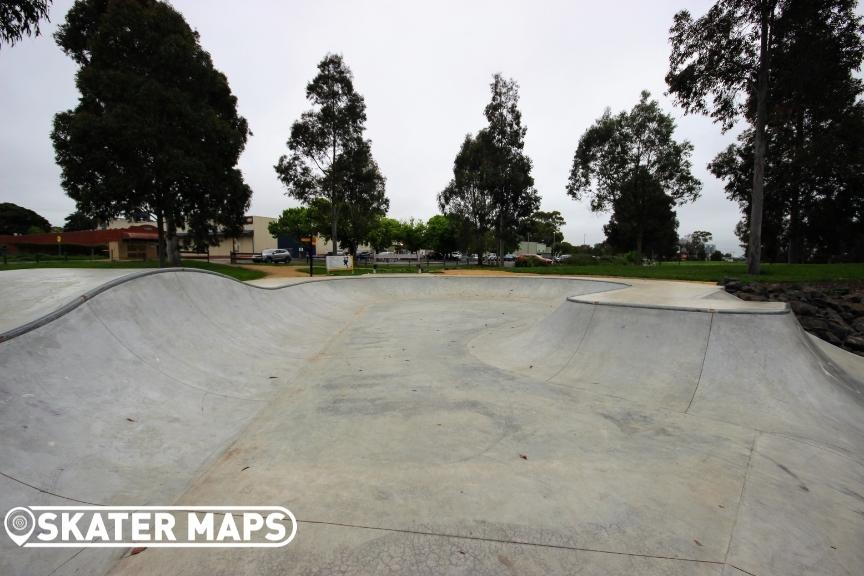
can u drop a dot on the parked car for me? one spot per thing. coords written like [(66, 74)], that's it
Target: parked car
[(528, 260), (274, 255)]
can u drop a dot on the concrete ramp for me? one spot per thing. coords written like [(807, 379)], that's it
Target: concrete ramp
[(441, 425)]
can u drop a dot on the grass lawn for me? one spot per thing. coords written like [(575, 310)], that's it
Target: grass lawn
[(696, 271), (233, 271), (712, 271)]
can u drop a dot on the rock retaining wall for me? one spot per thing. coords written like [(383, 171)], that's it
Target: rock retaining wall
[(833, 312)]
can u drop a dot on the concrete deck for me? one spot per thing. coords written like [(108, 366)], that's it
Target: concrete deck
[(443, 425), (29, 294)]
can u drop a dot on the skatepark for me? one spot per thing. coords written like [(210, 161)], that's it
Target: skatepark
[(423, 424)]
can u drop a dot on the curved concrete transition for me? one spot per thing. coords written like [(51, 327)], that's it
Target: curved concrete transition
[(441, 425)]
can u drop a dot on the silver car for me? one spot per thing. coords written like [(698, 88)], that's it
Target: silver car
[(273, 255)]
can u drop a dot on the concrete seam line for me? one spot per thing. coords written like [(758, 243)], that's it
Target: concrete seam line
[(741, 570), (741, 495), (159, 370), (72, 557), (705, 310), (503, 541)]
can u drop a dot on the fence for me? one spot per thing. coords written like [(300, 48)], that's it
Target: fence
[(237, 257), (189, 255)]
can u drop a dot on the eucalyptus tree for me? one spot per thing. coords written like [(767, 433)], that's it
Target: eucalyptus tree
[(720, 66), (468, 195), (644, 213), (19, 18), (322, 140), (508, 168), (156, 127), (632, 152), (813, 136)]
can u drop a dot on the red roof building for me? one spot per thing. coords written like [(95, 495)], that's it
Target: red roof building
[(133, 243)]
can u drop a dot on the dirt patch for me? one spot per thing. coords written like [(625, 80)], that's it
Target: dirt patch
[(490, 272), (277, 270)]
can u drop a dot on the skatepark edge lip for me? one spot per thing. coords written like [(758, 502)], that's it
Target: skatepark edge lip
[(93, 292)]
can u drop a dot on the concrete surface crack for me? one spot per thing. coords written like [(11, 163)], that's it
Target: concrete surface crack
[(704, 356), (48, 492), (578, 345), (503, 541)]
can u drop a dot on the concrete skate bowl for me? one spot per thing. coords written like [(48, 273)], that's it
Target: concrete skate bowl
[(438, 425)]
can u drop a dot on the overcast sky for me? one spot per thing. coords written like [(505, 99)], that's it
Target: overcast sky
[(424, 70)]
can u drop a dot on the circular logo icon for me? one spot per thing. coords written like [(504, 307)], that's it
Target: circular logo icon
[(19, 523)]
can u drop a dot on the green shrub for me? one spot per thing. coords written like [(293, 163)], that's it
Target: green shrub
[(581, 259)]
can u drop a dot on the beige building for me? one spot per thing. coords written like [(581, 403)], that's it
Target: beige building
[(531, 248), (254, 238)]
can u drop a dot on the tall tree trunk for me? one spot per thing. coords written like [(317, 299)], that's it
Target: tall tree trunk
[(795, 244), (640, 227), (160, 247), (171, 243), (334, 209), (500, 240), (794, 250), (757, 198), (334, 215)]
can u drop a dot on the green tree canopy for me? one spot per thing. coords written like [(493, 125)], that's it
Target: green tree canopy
[(635, 151), (325, 141), (508, 168), (383, 233), (79, 221), (19, 18), (412, 235), (643, 213), (814, 135), (697, 244), (543, 227), (365, 196), (468, 196), (156, 127), (296, 223), (16, 219), (442, 234), (720, 65)]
